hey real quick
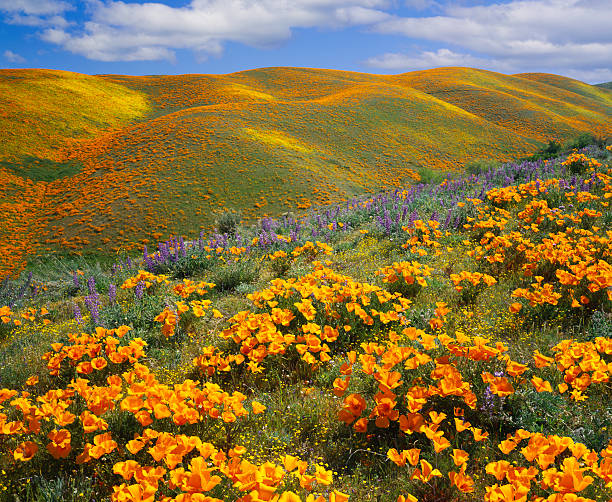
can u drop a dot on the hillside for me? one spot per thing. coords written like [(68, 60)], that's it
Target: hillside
[(119, 161), (448, 341), (605, 85)]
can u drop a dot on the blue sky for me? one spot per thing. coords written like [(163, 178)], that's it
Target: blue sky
[(567, 37)]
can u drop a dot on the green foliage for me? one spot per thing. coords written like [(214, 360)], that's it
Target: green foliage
[(280, 266), (600, 325), (138, 313), (14, 292), (583, 140), (191, 265), (431, 176), (227, 222), (64, 488), (554, 148), (40, 169), (229, 276), (480, 166)]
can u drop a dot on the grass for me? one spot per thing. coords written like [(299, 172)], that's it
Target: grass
[(301, 322)]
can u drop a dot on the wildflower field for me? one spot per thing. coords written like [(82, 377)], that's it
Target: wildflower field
[(446, 341), (100, 165)]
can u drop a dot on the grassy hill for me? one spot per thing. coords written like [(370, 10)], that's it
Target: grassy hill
[(605, 85), (441, 342), (101, 164)]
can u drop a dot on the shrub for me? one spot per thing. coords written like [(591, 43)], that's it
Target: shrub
[(227, 222), (230, 276)]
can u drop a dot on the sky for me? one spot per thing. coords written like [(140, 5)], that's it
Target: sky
[(566, 37)]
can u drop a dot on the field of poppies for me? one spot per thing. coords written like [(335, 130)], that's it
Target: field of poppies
[(444, 341), (99, 165)]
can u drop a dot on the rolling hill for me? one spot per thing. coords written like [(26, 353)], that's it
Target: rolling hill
[(105, 163)]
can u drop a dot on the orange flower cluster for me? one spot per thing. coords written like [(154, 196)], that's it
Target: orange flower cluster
[(575, 257), (336, 302), (410, 271), (189, 287), (93, 352), (207, 467), (311, 249), (583, 364), (579, 162), (136, 392), (423, 235), (147, 277), (212, 359), (7, 316), (403, 399), (546, 452), (473, 278), (516, 193), (170, 317), (539, 293)]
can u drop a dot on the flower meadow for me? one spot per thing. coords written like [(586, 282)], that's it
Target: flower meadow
[(442, 341), (123, 161)]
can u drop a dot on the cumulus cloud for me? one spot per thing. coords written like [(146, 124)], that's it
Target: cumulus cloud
[(35, 7), (120, 31), (595, 76), (13, 57), (425, 60), (525, 35), (35, 12)]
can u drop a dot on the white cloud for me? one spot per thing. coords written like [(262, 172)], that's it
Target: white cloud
[(425, 60), (120, 31), (524, 35), (596, 76), (35, 12), (13, 57), (35, 7)]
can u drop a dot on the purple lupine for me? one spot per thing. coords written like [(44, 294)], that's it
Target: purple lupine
[(448, 219), (182, 247), (112, 293), (75, 279), (387, 222), (91, 302), (78, 317), (413, 217), (91, 286), (139, 289), (489, 399), (149, 265)]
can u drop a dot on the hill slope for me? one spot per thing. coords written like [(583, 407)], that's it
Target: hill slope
[(124, 160)]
